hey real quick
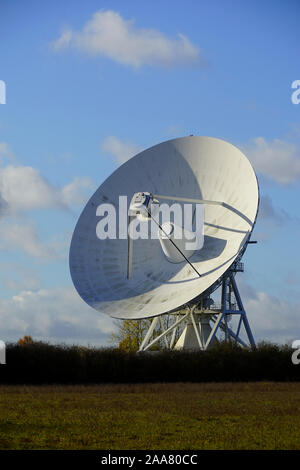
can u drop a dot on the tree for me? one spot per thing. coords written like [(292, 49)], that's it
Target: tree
[(130, 334), (25, 340)]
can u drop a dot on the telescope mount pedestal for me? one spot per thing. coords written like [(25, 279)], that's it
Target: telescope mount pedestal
[(203, 319)]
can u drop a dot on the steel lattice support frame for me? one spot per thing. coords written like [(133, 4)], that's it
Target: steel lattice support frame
[(194, 317), (229, 286)]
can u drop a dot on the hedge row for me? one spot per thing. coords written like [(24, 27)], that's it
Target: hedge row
[(41, 363)]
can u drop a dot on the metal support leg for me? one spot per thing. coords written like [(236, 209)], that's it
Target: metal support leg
[(195, 328), (191, 338), (173, 335), (149, 333), (243, 313), (165, 332)]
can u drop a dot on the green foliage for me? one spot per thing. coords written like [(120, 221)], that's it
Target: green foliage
[(41, 363), (130, 334)]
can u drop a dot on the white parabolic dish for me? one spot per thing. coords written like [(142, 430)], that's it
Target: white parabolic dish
[(192, 167)]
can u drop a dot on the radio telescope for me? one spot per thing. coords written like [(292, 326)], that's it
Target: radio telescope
[(132, 259)]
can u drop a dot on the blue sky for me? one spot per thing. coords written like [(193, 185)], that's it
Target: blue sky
[(88, 84)]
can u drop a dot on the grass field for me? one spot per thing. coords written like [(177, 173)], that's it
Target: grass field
[(177, 416)]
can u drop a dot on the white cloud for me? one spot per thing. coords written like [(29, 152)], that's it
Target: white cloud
[(271, 219), (23, 188), (271, 318), (108, 34), (18, 276), (25, 283), (276, 159), (267, 210), (120, 151), (63, 41), (23, 236), (74, 192), (56, 315), (5, 151), (59, 315)]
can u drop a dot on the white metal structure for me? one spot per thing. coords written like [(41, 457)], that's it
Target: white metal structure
[(135, 279)]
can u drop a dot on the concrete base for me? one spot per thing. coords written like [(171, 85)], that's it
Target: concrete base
[(188, 338)]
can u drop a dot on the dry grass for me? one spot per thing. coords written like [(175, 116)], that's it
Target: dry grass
[(264, 415)]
